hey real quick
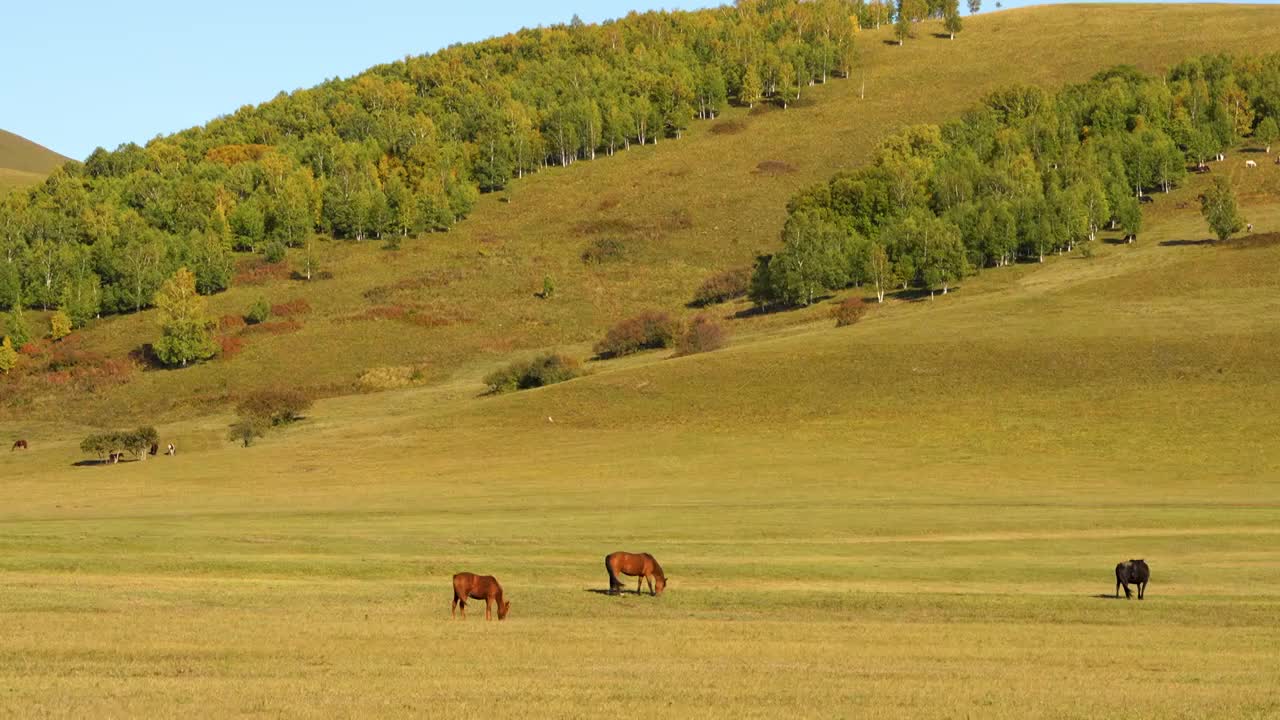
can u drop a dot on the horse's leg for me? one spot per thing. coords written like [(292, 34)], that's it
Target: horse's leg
[(639, 583), (488, 608), (1117, 589), (1142, 590), (649, 581), (453, 606)]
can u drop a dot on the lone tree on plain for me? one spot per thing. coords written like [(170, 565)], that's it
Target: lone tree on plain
[(951, 18), (975, 6), (1218, 205), (185, 334)]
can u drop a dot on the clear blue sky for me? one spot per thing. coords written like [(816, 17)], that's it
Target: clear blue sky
[(78, 74)]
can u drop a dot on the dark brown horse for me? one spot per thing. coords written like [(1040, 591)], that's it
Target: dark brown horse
[(18, 445), (1135, 572), (635, 564), (478, 587)]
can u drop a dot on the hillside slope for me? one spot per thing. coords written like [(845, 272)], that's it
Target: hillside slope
[(23, 162), (685, 209), (934, 498)]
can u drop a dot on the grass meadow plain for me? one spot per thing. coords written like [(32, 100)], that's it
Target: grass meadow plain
[(914, 517)]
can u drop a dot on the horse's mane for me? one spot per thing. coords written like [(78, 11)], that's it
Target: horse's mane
[(657, 569)]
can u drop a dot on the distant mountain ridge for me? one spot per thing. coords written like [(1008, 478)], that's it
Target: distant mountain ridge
[(23, 162), (20, 154)]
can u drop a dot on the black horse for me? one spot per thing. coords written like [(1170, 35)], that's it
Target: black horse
[(1136, 572)]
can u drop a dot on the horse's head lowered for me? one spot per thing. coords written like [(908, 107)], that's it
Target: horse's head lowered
[(660, 584), (503, 609)]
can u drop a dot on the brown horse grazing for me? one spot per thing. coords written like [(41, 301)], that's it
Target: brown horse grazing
[(478, 587), (635, 564), (18, 445)]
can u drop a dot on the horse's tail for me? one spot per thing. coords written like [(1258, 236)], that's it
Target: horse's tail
[(614, 583)]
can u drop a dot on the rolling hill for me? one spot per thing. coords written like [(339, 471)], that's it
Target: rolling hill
[(23, 162), (685, 209), (917, 516)]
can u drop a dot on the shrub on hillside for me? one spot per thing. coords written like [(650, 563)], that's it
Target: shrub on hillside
[(723, 286), (849, 311), (258, 312), (541, 371), (604, 250), (648, 330), (297, 306), (274, 407), (704, 334), (137, 443), (229, 346), (274, 253)]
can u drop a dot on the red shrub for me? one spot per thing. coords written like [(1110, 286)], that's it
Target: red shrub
[(230, 346), (849, 311), (723, 286), (704, 334), (231, 323), (649, 329), (254, 271), (296, 306)]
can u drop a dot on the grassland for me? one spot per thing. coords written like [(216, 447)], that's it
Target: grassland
[(914, 517), (23, 162)]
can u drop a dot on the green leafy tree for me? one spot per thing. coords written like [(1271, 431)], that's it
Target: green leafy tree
[(951, 20), (1219, 208), (8, 356), (185, 331), (59, 325), (16, 326), (814, 259), (246, 429), (752, 89), (1129, 215), (975, 6), (1267, 132)]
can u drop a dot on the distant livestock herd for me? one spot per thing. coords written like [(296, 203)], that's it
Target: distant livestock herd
[(644, 567), (470, 586)]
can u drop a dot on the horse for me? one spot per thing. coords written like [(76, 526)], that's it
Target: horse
[(1250, 164), (478, 587), (642, 565), (19, 445), (1136, 572)]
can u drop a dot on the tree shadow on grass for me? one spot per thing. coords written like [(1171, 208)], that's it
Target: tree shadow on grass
[(1186, 243)]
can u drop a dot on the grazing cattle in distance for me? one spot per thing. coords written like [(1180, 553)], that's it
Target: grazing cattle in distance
[(478, 587), (1134, 572), (19, 445), (1250, 164), (641, 565)]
